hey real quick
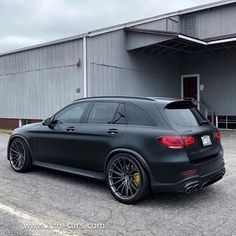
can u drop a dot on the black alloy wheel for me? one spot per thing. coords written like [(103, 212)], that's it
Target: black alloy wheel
[(127, 179), (19, 156)]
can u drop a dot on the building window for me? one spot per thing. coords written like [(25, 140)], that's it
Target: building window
[(227, 122)]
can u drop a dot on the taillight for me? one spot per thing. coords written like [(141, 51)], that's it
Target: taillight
[(176, 142), (188, 141), (217, 135)]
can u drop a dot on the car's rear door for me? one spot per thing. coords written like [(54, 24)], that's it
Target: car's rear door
[(102, 132), (141, 130)]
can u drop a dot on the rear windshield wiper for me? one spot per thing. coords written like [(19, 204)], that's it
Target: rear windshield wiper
[(204, 122)]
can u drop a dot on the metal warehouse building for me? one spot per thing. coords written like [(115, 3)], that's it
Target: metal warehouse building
[(189, 53)]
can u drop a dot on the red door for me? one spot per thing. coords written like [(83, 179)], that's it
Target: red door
[(190, 87)]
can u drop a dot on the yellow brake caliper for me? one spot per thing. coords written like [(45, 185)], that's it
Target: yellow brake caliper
[(137, 179)]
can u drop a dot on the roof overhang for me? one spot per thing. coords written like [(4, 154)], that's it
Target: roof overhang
[(173, 41), (224, 39), (142, 38)]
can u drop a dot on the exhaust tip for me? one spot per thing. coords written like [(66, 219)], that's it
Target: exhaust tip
[(189, 189), (192, 188)]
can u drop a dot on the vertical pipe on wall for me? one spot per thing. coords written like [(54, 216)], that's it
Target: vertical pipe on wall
[(212, 118), (85, 65), (217, 122), (20, 122), (206, 113)]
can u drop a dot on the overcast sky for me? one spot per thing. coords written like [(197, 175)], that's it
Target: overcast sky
[(29, 22)]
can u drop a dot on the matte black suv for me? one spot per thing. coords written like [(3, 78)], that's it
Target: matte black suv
[(135, 144)]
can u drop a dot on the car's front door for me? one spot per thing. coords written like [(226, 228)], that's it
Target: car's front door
[(102, 132), (56, 142)]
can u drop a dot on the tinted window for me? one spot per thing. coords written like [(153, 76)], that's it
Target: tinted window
[(103, 113), (120, 115), (183, 117), (71, 114), (136, 116)]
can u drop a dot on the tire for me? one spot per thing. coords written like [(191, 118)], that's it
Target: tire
[(127, 179), (19, 156)]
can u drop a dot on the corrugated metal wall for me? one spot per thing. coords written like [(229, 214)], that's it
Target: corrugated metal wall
[(138, 40), (189, 25), (170, 24), (36, 83), (114, 71), (210, 23)]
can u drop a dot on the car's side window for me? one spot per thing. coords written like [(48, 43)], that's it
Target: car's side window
[(136, 116), (102, 112), (71, 114)]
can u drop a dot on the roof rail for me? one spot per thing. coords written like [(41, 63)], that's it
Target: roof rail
[(122, 97)]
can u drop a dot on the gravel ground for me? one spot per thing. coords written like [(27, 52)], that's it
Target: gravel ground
[(55, 203)]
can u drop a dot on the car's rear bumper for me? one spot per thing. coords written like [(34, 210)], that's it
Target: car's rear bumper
[(207, 174)]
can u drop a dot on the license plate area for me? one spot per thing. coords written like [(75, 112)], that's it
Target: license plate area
[(206, 140)]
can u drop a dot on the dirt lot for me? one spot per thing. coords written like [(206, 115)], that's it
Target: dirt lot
[(45, 202)]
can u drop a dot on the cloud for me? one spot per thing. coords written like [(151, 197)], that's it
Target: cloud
[(17, 41), (25, 23)]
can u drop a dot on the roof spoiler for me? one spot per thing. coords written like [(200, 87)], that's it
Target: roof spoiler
[(183, 104)]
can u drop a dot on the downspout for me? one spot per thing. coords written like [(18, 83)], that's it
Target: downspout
[(85, 91)]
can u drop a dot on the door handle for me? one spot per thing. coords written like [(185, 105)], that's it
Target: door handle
[(112, 131), (70, 129)]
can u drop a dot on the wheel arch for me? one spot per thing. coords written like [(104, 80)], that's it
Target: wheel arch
[(24, 139), (135, 154)]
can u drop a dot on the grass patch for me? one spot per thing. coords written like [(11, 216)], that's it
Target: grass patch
[(5, 131)]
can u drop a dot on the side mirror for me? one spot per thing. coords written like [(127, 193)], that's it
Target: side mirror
[(47, 122)]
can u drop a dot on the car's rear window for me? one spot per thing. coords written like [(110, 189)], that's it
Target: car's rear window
[(186, 117)]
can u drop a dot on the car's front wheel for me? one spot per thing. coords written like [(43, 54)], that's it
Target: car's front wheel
[(19, 155), (127, 179)]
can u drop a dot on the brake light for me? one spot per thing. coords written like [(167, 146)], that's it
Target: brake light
[(217, 135), (176, 142)]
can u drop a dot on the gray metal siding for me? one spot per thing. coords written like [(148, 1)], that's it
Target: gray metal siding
[(36, 83), (58, 55), (138, 40), (212, 22), (189, 25), (218, 75), (108, 80), (114, 71), (170, 24)]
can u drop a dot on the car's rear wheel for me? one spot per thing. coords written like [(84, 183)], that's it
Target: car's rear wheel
[(127, 179), (19, 155)]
